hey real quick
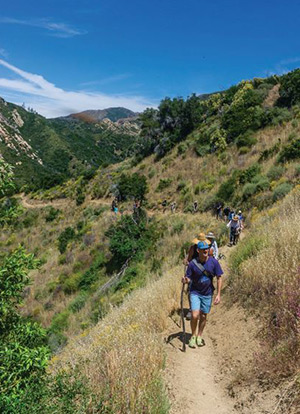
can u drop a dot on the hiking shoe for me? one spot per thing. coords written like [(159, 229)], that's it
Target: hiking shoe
[(192, 343), (188, 316), (200, 341)]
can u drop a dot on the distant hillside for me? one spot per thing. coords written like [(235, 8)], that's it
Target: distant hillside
[(113, 114), (46, 152)]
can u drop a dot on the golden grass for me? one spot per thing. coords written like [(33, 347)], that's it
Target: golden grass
[(269, 280)]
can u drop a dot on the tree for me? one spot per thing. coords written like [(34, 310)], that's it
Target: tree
[(6, 177), (23, 350)]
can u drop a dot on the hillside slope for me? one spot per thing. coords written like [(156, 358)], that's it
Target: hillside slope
[(47, 152)]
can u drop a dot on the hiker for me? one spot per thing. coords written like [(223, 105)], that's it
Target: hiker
[(219, 211), (114, 204), (173, 207), (214, 251), (193, 254), (235, 229), (231, 214), (226, 212), (164, 205), (195, 206), (200, 273), (241, 217)]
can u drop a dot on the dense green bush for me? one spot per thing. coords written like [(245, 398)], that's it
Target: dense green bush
[(289, 88), (52, 214), (60, 321), (134, 186), (290, 151), (93, 273), (64, 238), (129, 238), (281, 190), (246, 140), (23, 350), (275, 172), (227, 189), (247, 175)]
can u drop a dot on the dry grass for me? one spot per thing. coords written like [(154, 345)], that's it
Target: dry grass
[(268, 279), (122, 356)]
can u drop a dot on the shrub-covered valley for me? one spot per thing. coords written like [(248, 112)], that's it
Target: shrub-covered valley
[(86, 294)]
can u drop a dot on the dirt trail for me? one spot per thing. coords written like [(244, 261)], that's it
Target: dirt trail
[(193, 378)]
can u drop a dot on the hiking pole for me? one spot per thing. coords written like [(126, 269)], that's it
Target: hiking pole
[(182, 313)]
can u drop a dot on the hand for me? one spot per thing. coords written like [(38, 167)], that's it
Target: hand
[(185, 280), (217, 300)]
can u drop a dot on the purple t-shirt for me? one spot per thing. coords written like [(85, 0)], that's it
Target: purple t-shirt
[(200, 282)]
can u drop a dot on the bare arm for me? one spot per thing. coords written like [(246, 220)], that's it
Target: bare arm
[(219, 286)]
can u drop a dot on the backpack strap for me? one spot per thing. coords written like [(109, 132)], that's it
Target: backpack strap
[(202, 268)]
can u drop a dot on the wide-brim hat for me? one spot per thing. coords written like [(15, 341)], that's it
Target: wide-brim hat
[(235, 218), (210, 235)]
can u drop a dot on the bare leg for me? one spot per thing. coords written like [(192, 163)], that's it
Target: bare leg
[(202, 323), (194, 321)]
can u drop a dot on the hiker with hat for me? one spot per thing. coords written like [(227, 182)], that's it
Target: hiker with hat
[(235, 229), (200, 274), (213, 244), (193, 254)]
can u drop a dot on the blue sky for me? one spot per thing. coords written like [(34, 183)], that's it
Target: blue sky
[(66, 56)]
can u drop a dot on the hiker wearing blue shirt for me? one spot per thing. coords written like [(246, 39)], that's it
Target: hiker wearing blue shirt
[(200, 273)]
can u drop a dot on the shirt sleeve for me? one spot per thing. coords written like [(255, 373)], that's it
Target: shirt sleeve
[(218, 269), (189, 271), (216, 250)]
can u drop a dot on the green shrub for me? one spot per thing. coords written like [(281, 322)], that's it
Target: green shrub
[(246, 140), (244, 150), (249, 190), (181, 148), (297, 170), (134, 186), (247, 175), (202, 150), (30, 218), (261, 182), (269, 152), (163, 183), (64, 238), (275, 172), (95, 271), (177, 227), (281, 190), (60, 321), (181, 185), (227, 189), (290, 152), (71, 283), (246, 248), (52, 214), (151, 173), (78, 303)]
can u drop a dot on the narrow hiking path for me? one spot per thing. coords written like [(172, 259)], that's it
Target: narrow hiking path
[(198, 381)]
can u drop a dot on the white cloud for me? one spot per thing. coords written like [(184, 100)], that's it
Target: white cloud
[(51, 101), (55, 29), (3, 53), (284, 66)]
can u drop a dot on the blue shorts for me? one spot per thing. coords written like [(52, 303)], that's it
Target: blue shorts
[(200, 302)]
